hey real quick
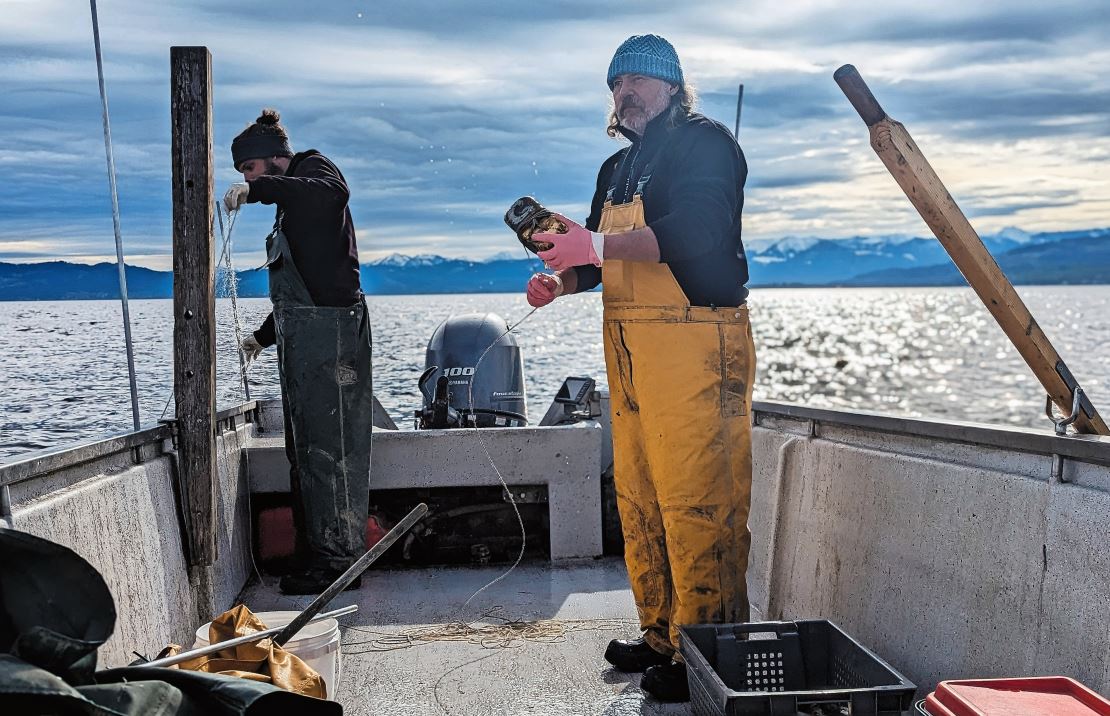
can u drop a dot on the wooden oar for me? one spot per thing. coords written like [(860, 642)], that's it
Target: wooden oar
[(926, 192)]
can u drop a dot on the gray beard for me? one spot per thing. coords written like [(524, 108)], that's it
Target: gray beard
[(638, 121), (636, 124)]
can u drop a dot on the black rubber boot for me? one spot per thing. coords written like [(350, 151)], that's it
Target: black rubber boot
[(313, 581), (633, 655), (667, 682)]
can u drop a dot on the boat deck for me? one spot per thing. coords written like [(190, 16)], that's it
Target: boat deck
[(868, 520), (564, 675)]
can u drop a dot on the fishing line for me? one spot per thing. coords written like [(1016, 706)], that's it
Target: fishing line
[(509, 633), (444, 675), (231, 283), (232, 288), (478, 433)]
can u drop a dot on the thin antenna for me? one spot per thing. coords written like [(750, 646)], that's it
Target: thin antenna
[(115, 221), (739, 101)]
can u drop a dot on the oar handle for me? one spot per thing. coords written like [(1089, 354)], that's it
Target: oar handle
[(351, 574), (859, 94)]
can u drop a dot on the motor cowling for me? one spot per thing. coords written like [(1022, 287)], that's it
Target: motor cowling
[(458, 391)]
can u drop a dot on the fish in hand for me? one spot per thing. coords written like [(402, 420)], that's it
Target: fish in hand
[(526, 217)]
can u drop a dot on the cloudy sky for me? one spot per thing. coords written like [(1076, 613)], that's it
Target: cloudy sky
[(441, 114)]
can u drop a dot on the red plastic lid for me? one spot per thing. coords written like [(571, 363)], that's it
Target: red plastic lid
[(1038, 696)]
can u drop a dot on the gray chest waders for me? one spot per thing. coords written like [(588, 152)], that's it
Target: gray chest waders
[(324, 365)]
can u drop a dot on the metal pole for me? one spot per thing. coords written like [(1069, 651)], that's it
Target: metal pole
[(240, 640), (739, 101), (115, 221), (351, 574)]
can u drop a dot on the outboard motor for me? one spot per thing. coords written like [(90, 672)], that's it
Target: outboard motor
[(450, 381)]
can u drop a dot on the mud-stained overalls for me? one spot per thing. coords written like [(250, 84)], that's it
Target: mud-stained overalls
[(324, 365), (680, 382)]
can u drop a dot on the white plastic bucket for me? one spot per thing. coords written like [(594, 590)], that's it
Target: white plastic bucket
[(316, 644)]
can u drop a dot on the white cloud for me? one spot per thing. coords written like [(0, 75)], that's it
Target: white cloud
[(441, 114)]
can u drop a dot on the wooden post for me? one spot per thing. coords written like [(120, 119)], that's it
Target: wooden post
[(927, 193), (194, 302)]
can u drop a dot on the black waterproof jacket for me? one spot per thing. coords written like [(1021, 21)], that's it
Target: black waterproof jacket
[(692, 203), (56, 611), (313, 196)]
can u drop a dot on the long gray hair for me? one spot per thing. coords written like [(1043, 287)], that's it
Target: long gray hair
[(682, 103)]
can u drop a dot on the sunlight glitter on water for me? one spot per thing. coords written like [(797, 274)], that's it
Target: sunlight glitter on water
[(922, 352)]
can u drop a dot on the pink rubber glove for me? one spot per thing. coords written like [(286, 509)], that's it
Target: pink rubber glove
[(543, 288), (577, 247)]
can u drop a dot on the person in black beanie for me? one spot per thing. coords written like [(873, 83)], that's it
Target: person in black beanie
[(322, 332)]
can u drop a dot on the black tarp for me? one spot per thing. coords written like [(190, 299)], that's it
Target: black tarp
[(56, 611)]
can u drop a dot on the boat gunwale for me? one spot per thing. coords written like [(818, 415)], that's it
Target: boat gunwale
[(43, 462), (1084, 448)]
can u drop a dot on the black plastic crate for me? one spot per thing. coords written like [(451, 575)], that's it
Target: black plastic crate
[(807, 662)]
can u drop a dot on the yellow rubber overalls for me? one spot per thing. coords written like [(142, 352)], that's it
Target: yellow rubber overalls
[(680, 383)]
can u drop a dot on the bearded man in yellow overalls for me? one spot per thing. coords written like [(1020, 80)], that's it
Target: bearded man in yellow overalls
[(663, 238)]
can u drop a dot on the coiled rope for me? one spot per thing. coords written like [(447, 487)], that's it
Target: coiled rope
[(505, 633)]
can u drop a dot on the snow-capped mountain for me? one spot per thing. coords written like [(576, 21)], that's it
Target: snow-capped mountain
[(403, 261), (1081, 256), (506, 256), (813, 261)]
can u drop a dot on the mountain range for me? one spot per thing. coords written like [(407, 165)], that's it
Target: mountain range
[(1074, 257)]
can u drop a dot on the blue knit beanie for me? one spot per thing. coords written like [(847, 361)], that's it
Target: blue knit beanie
[(648, 55)]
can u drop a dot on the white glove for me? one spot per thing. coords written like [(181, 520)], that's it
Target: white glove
[(236, 195), (251, 348)]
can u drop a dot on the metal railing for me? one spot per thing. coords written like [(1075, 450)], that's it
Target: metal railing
[(38, 464)]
